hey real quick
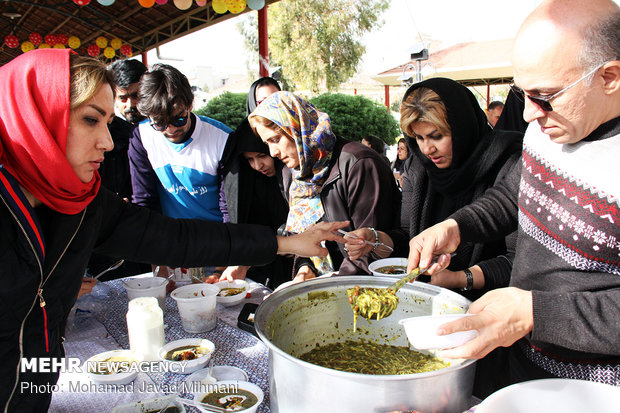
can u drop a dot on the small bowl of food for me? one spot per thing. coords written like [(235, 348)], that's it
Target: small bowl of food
[(231, 292), (114, 367), (391, 267), (158, 405), (232, 396), (422, 331), (187, 355)]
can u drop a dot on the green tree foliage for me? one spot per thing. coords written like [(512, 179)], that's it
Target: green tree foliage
[(228, 108), (354, 117), (317, 42)]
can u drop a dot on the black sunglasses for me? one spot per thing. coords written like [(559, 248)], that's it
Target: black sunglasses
[(544, 102), (176, 122)]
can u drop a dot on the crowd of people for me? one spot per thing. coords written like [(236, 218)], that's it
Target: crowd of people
[(533, 217)]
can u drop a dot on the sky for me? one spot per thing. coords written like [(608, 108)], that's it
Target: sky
[(450, 21)]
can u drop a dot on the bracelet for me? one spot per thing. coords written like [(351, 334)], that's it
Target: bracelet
[(470, 280), (376, 238)]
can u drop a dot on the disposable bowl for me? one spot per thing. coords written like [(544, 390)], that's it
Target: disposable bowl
[(388, 262), (243, 385), (189, 366), (124, 371), (230, 300), (422, 331)]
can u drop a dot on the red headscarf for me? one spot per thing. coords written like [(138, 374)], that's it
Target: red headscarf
[(34, 120)]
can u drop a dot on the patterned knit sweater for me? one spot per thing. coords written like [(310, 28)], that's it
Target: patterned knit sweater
[(568, 248)]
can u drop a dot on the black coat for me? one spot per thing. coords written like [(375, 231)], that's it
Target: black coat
[(109, 226)]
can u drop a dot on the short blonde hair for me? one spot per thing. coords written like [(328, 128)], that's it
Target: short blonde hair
[(423, 105), (87, 77)]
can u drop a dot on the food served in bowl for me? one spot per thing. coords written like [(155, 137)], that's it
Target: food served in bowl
[(231, 292), (191, 354), (394, 267), (113, 367), (232, 396)]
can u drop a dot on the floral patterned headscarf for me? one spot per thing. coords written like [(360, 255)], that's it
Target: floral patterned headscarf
[(311, 130)]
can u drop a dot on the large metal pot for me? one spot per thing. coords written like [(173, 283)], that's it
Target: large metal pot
[(294, 320)]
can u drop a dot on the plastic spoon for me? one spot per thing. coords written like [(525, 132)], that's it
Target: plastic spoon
[(112, 267)]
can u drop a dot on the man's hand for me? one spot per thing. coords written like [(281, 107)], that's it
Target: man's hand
[(87, 286), (503, 316), (440, 239), (304, 274), (308, 243), (234, 273)]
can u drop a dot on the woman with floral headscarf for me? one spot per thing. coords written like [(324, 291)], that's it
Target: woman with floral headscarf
[(328, 178), (54, 110)]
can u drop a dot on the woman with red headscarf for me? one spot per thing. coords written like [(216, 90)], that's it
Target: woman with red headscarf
[(54, 111)]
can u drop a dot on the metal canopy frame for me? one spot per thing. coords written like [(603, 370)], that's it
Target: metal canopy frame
[(142, 28)]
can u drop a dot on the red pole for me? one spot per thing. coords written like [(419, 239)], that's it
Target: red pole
[(263, 43), (488, 94), (387, 96), (144, 59)]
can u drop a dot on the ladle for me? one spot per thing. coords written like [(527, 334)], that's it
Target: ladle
[(378, 303)]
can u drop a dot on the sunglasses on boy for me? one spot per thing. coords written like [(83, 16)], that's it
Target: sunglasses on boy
[(176, 122), (544, 102)]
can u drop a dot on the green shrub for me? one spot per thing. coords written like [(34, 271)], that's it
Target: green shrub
[(228, 108), (354, 117)]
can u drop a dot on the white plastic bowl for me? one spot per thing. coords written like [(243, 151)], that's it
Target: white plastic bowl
[(388, 262), (232, 299), (244, 385), (149, 405), (147, 287), (190, 366), (114, 378), (422, 331), (553, 395)]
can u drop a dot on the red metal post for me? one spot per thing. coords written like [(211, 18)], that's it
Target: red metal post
[(144, 59), (263, 43), (488, 95), (387, 96)]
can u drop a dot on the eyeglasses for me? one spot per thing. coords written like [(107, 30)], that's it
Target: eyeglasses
[(176, 122), (544, 102)]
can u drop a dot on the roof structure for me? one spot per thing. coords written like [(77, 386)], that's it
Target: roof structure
[(141, 28), (471, 64)]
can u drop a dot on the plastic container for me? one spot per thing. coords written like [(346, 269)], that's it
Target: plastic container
[(196, 304), (422, 331), (230, 300), (234, 384), (394, 263), (147, 287), (189, 366), (145, 326)]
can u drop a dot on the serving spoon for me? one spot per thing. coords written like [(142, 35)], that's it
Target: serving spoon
[(378, 303)]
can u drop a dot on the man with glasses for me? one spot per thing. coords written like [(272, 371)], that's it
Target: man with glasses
[(559, 317), (174, 155)]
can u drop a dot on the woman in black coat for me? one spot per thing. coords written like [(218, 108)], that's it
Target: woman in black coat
[(53, 133), (456, 157)]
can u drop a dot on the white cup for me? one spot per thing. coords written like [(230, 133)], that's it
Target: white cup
[(147, 287), (196, 304)]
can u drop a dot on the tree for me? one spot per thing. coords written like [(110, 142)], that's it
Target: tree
[(228, 108), (317, 42), (354, 117)]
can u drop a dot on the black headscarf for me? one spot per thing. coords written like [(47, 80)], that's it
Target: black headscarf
[(475, 150), (478, 156), (251, 101), (512, 114)]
